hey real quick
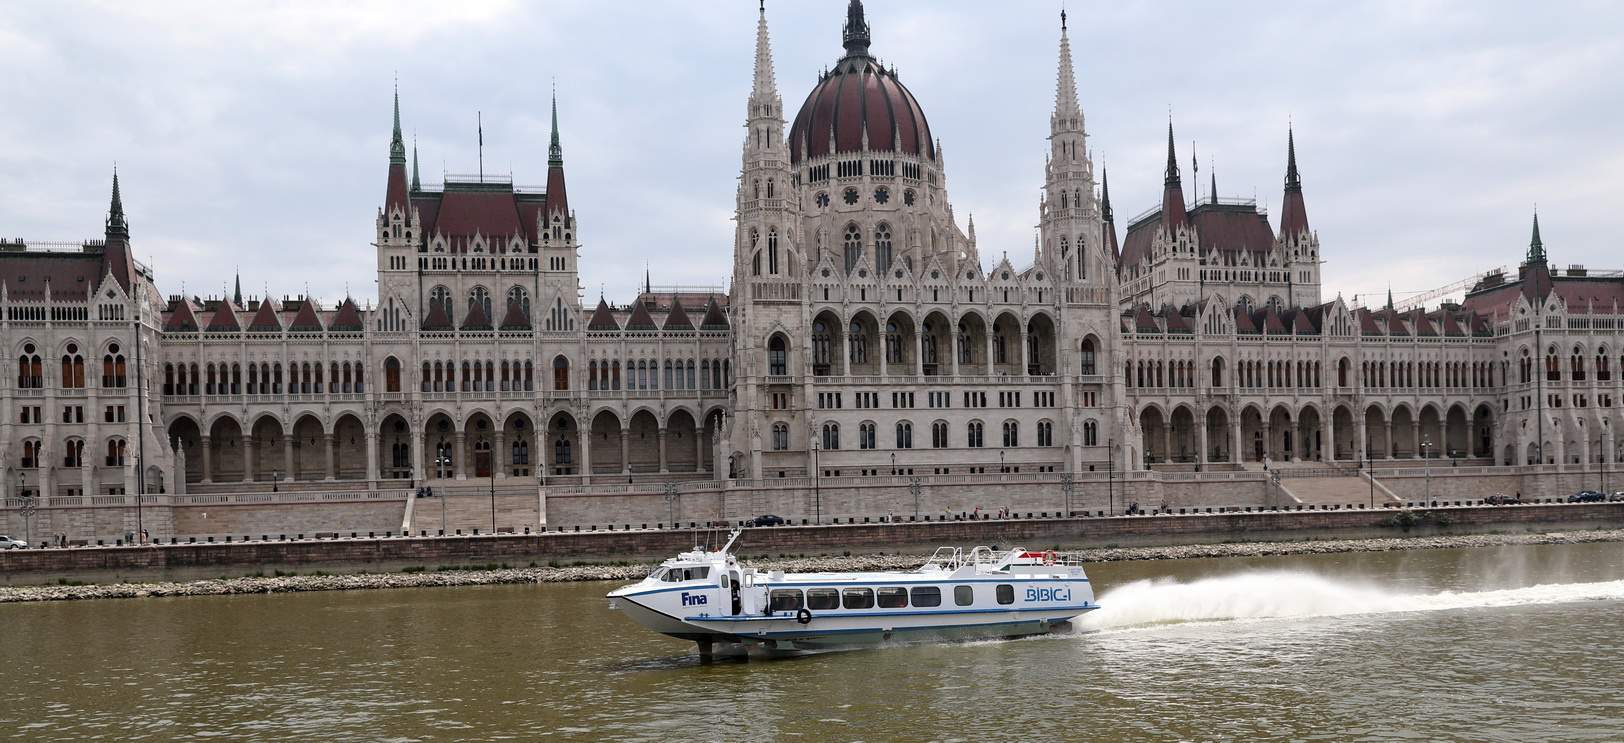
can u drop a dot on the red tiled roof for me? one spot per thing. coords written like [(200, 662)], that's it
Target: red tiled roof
[(602, 319), (305, 320), (677, 319), (715, 319), (265, 319), (640, 319), (1367, 323), (1243, 320), (70, 275), (224, 319), (347, 319), (181, 319), (1422, 325), (1227, 228), (488, 213), (1144, 322), (859, 98)]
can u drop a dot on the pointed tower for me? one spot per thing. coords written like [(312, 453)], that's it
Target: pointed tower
[(236, 290), (416, 184), (558, 203), (1536, 247), (1069, 220), (395, 196), (1173, 215), (1535, 271), (765, 202), (117, 258), (1293, 213), (1299, 246), (1108, 222)]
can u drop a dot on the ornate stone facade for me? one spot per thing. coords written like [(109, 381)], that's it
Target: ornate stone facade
[(863, 334)]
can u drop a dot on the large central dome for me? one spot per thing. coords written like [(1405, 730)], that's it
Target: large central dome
[(859, 105)]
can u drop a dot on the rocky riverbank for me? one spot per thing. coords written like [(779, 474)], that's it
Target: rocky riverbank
[(415, 578)]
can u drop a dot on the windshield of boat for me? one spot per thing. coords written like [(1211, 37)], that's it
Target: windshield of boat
[(680, 573)]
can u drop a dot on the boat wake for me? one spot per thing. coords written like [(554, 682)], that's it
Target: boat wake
[(1284, 595)]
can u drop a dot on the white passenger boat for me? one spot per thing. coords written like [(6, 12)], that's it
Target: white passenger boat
[(710, 598)]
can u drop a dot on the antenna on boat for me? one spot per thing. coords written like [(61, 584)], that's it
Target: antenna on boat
[(734, 537)]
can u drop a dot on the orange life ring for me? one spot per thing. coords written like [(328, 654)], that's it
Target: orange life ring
[(1049, 557)]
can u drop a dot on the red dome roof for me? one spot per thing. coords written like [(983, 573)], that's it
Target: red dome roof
[(857, 98)]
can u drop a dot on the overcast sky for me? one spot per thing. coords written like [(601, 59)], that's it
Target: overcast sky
[(254, 136)]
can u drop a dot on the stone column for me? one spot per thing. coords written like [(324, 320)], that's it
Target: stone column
[(372, 458), (248, 459), (1328, 427), (661, 436), (953, 348), (328, 442), (498, 454), (208, 459), (989, 351), (584, 437), (1201, 443), (1387, 442), (1025, 357), (884, 345), (1364, 436), (418, 443), (1416, 426), (458, 467), (287, 456), (625, 449), (1167, 438), (1236, 454), (699, 448), (1268, 440), (845, 350)]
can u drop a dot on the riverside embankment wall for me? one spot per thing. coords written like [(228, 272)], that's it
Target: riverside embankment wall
[(195, 560)]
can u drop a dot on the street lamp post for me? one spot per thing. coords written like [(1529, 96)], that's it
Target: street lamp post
[(1067, 484), (493, 496), (1001, 468), (817, 492), (1371, 475), (913, 487), (1426, 458), (1110, 476), (893, 464)]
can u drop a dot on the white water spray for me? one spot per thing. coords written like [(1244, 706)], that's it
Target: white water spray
[(1282, 595)]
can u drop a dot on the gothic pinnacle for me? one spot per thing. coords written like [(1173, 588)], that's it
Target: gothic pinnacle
[(555, 152)]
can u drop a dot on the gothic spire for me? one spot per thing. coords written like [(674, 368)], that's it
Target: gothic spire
[(1173, 215), (416, 185), (1105, 196), (115, 210), (765, 86), (1293, 212), (1065, 95), (555, 151), (855, 33), (1536, 248), (397, 145), (236, 292)]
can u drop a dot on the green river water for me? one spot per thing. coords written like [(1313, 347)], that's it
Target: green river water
[(1507, 644)]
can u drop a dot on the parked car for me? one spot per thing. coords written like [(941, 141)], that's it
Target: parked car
[(1587, 496), (767, 520), (8, 543), (1617, 497), (1502, 500)]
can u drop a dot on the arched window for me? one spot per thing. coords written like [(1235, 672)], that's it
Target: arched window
[(865, 435), (1088, 361), (73, 453), (831, 436), (30, 370), (780, 436), (859, 343), (972, 437), (965, 346), (591, 374), (1045, 433), (561, 373), (772, 249), (391, 374), (853, 246), (904, 435), (1553, 370), (30, 454), (1217, 371), (73, 369), (521, 452), (820, 349), (938, 435), (893, 344), (115, 452), (1578, 364), (1091, 433), (522, 296), (882, 247), (1012, 434)]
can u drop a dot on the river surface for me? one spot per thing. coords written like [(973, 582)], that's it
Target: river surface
[(1505, 644)]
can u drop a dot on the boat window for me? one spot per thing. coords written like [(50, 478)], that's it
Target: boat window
[(672, 575), (822, 599), (699, 573), (925, 596), (895, 597), (785, 599), (725, 583), (1006, 593), (964, 595), (857, 598)]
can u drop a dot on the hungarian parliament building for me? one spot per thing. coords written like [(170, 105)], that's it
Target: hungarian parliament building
[(863, 332)]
